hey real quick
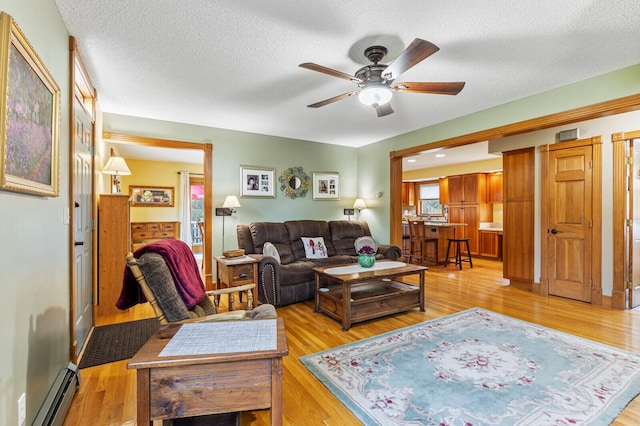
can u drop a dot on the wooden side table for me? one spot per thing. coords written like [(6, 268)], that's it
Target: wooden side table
[(234, 272), (170, 387)]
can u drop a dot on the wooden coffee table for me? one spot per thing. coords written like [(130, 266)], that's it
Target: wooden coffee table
[(353, 294)]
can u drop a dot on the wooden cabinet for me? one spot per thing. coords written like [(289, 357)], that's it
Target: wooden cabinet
[(494, 187), (444, 191), (467, 189), (145, 232), (408, 194), (471, 216), (113, 244), (518, 224), (491, 244)]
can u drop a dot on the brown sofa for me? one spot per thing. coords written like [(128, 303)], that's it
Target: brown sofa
[(292, 279)]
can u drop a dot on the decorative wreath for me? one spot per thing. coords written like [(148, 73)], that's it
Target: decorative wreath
[(294, 182)]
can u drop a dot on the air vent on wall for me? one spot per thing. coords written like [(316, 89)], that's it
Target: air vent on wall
[(568, 135)]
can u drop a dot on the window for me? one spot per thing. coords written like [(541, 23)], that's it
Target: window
[(429, 193)]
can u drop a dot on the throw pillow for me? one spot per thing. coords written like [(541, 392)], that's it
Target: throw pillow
[(314, 247), (269, 249)]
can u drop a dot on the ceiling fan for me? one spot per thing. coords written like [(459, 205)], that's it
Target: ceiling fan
[(375, 80)]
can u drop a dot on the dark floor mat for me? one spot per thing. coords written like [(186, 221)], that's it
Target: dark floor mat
[(115, 342)]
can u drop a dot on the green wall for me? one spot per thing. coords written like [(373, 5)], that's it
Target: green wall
[(234, 149), (34, 245)]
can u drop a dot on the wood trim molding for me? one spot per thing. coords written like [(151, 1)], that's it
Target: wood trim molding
[(620, 183), (207, 150)]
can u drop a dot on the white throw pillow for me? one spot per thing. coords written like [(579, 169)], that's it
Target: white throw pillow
[(314, 247), (270, 250)]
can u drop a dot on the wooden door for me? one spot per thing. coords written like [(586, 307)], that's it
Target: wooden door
[(569, 206), (634, 214)]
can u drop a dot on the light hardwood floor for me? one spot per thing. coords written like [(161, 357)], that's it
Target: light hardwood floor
[(107, 395)]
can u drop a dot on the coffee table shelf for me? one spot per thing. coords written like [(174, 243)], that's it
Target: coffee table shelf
[(357, 297)]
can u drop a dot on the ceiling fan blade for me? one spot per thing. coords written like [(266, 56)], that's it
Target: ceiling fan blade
[(315, 67), (332, 100), (452, 88), (417, 51), (385, 109)]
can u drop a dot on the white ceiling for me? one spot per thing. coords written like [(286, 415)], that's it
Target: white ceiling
[(234, 64)]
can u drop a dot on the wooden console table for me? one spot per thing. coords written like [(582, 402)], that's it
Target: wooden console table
[(365, 294), (171, 387)]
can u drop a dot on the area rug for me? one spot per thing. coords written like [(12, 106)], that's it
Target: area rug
[(478, 367), (115, 342)]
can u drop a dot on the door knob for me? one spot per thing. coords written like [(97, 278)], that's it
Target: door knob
[(554, 231)]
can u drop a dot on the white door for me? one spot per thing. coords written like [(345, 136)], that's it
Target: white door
[(83, 242)]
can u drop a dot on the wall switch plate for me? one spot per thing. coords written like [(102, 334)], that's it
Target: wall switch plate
[(65, 216), (22, 409)]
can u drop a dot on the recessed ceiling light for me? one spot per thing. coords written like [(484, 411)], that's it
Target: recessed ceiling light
[(411, 160), (439, 155)]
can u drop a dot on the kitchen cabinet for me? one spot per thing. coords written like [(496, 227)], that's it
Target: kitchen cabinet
[(471, 217), (491, 244), (494, 187), (467, 189), (408, 194), (444, 191)]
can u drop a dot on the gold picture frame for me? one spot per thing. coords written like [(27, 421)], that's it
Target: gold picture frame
[(152, 196), (29, 116)]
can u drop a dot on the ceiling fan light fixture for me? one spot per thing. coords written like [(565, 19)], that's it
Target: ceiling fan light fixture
[(375, 95)]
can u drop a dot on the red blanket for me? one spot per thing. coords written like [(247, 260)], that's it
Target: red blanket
[(182, 265)]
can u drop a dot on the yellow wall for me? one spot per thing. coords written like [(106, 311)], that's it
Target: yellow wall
[(454, 169), (156, 173)]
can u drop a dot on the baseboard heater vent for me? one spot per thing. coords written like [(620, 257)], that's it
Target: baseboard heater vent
[(56, 404)]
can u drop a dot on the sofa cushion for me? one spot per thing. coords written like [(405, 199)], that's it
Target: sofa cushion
[(314, 247), (277, 234), (308, 228), (345, 233)]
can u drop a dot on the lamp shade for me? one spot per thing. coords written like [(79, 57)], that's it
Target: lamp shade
[(231, 202), (116, 166), (359, 204)]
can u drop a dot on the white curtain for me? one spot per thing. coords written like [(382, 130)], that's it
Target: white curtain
[(185, 208)]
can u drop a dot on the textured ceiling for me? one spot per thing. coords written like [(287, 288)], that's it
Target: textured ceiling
[(234, 64)]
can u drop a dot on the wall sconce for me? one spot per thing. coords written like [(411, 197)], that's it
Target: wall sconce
[(228, 208), (349, 212), (116, 166), (359, 204)]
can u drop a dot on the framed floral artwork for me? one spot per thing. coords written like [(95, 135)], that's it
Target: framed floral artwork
[(152, 196), (29, 115), (326, 186)]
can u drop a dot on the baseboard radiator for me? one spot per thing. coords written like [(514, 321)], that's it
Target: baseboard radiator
[(56, 404)]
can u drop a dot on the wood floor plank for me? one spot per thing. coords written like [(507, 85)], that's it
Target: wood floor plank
[(107, 395)]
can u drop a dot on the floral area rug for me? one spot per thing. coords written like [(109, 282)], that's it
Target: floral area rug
[(478, 367)]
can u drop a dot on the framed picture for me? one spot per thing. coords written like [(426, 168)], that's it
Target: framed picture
[(151, 196), (326, 186), (29, 115), (257, 182)]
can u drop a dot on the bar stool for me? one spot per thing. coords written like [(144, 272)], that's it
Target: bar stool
[(458, 253), (406, 243), (416, 239)]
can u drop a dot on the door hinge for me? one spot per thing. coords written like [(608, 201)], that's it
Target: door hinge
[(92, 150), (590, 223), (93, 224), (629, 222), (590, 283), (629, 160), (629, 285)]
